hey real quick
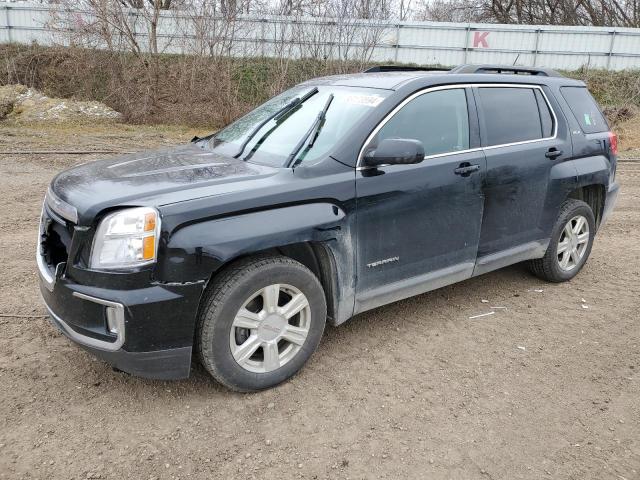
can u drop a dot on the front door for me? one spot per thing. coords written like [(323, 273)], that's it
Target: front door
[(418, 226)]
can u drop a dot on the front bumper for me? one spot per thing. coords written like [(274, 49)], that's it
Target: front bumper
[(170, 364), (145, 331)]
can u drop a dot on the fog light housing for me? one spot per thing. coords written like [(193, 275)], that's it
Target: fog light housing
[(112, 320)]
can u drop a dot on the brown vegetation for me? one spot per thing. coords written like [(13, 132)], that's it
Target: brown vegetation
[(211, 91), (192, 90)]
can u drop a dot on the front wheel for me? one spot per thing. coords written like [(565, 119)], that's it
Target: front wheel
[(260, 322), (570, 245)]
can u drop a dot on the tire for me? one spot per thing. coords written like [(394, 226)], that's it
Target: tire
[(550, 267), (249, 286)]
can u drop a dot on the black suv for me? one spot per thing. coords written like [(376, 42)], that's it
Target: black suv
[(335, 197)]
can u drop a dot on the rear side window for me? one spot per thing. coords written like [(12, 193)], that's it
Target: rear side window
[(585, 109), (438, 119), (511, 115)]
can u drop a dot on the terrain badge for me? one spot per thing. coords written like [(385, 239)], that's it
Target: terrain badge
[(384, 261)]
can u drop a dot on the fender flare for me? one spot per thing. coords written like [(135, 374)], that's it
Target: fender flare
[(593, 171), (195, 252)]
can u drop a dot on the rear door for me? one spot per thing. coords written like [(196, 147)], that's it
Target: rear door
[(523, 140)]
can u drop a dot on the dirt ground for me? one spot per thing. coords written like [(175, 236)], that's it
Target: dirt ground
[(547, 387)]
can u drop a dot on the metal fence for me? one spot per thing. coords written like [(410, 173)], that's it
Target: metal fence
[(423, 43)]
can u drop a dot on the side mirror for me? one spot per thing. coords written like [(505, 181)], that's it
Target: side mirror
[(395, 151)]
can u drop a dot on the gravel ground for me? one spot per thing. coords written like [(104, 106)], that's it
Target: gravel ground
[(547, 387)]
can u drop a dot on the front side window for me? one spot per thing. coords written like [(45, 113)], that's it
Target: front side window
[(439, 119), (512, 115), (273, 142)]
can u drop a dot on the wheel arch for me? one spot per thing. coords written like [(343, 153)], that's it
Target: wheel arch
[(593, 195), (318, 235), (593, 174), (316, 256)]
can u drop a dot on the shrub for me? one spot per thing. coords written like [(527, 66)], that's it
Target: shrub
[(211, 91)]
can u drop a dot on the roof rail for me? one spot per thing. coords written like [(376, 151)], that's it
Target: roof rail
[(511, 69), (402, 68)]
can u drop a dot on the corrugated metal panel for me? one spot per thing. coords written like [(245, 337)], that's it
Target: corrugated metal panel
[(422, 43)]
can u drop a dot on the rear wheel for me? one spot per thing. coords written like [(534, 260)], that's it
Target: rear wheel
[(260, 322), (570, 244)]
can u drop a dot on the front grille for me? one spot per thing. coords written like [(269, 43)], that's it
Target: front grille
[(55, 239)]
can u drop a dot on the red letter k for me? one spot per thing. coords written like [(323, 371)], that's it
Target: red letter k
[(480, 40)]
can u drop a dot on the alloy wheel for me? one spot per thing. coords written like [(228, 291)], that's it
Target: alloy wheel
[(270, 328), (573, 243)]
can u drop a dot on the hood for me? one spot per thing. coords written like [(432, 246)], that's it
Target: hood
[(153, 178)]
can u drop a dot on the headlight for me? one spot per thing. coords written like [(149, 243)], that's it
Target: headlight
[(126, 238)]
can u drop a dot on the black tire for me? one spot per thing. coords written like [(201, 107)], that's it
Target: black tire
[(226, 295), (548, 267)]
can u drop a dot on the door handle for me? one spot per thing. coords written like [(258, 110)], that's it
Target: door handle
[(553, 153), (465, 169)]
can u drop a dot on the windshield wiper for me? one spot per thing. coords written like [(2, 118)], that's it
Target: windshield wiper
[(276, 116), (312, 133)]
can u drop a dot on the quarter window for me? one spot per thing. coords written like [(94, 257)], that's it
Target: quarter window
[(438, 119), (585, 109), (545, 115), (514, 115)]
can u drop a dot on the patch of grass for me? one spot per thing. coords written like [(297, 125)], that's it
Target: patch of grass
[(92, 136), (83, 127)]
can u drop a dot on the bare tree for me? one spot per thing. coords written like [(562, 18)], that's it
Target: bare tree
[(124, 28), (404, 10), (610, 13)]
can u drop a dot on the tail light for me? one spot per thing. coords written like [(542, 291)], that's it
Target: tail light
[(613, 149), (613, 143)]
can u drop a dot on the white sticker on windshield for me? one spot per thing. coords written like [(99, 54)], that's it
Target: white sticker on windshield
[(366, 100)]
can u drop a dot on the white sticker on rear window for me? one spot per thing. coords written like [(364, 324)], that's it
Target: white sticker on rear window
[(366, 100)]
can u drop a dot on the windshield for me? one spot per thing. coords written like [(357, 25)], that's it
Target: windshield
[(287, 118)]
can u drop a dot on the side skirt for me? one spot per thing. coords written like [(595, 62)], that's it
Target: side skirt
[(504, 258), (394, 292), (385, 294)]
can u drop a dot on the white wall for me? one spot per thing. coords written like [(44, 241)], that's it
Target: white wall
[(423, 43)]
